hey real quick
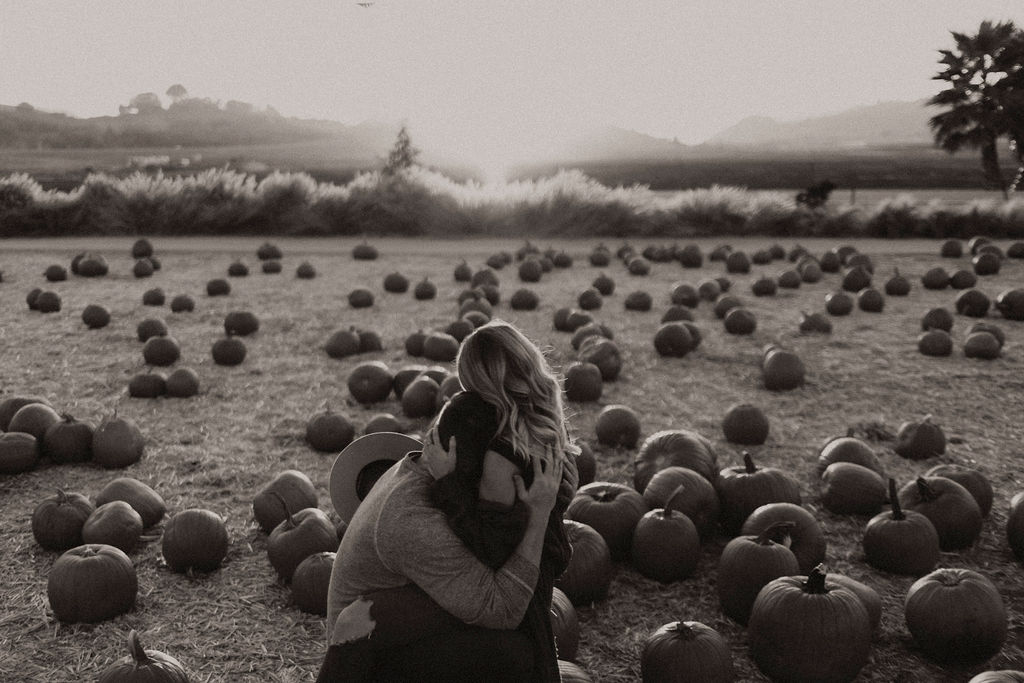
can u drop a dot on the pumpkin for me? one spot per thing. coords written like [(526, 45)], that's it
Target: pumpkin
[(153, 297), (115, 523), (604, 353), (568, 672), (807, 541), (838, 303), (32, 299), (1015, 250), (589, 299), (673, 340), (229, 351), (530, 270), (850, 489), (724, 304), (603, 284), (665, 544), (720, 252), (525, 300), (599, 258), (143, 268), (935, 343), (963, 279), (973, 303), (161, 351), (897, 285), (142, 248), (1001, 676), (901, 542), (638, 265), (676, 314), (583, 382), (272, 267), (293, 486), (496, 261), (737, 262), (1010, 303), (360, 297), (937, 319), (382, 422), (971, 479), (794, 616), (440, 347), (91, 583), (986, 263), (300, 535), (343, 343), (310, 583), (976, 243), (195, 539), (143, 499), (90, 265), (182, 303), (830, 262), (848, 449), (95, 317), (396, 283), (863, 260), (790, 279), (589, 574), (565, 625), (183, 383), (949, 506), (956, 615), (684, 294), (241, 323), (810, 271), (686, 651), (34, 419), (404, 376), (420, 398), (748, 563), (920, 440), (117, 442), (698, 501), (613, 510), (329, 432), (763, 286), (745, 424), (147, 385), (370, 382), (870, 300), (586, 464), (856, 279), (365, 252), (1015, 526), (589, 330), (57, 521), (740, 321), (484, 276), (268, 251), (218, 287), (678, 447), (781, 370), (305, 271), (742, 489), (150, 327), (951, 249), (994, 330), (12, 404), (19, 452), (638, 301), (462, 272), (983, 345), (935, 278)]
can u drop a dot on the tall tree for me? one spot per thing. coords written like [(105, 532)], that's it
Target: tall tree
[(985, 74), (402, 155)]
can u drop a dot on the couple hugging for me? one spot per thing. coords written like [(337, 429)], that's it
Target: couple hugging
[(446, 570)]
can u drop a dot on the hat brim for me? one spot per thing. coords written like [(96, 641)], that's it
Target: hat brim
[(361, 463)]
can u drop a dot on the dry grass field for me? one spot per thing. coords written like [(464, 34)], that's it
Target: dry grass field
[(215, 450)]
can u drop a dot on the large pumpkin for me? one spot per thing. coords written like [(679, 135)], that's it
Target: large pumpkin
[(117, 442), (802, 630), (228, 351), (781, 370), (301, 534), (292, 485), (68, 441), (311, 581), (583, 382), (115, 523), (745, 424), (565, 624), (34, 419), (686, 651), (850, 489), (971, 479), (948, 505), (143, 499), (195, 539), (91, 583), (698, 501), (590, 570), (617, 425), (807, 541), (1015, 526), (742, 489), (19, 452), (370, 382), (57, 521), (748, 563), (604, 353), (666, 545), (613, 510), (329, 432), (899, 541), (956, 614), (851, 450), (674, 447), (920, 440), (144, 666)]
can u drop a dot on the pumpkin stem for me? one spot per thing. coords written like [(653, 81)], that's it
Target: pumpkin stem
[(815, 582), (138, 654), (894, 500), (896, 272), (287, 510), (927, 419), (775, 533), (684, 630), (748, 462), (62, 497), (925, 489), (673, 499), (67, 418)]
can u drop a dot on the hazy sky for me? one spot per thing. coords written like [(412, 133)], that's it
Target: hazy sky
[(499, 73)]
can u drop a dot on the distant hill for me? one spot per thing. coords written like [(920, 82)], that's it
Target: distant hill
[(611, 143), (884, 124)]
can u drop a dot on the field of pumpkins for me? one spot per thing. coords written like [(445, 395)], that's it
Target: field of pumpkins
[(802, 462)]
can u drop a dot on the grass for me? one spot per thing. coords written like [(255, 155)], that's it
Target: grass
[(217, 449)]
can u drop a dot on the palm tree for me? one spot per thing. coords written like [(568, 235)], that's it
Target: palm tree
[(984, 98)]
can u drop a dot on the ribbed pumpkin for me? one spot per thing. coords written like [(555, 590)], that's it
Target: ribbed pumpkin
[(1015, 526), (565, 625), (34, 419), (838, 303), (310, 583), (12, 404), (857, 278), (91, 583), (901, 542), (994, 330), (986, 263), (673, 340), (748, 563), (228, 351), (973, 303), (971, 479), (685, 294), (144, 666), (612, 510), (420, 398), (57, 521), (781, 370), (117, 442), (698, 501), (115, 523), (870, 300), (568, 672), (849, 489), (948, 505), (684, 651), (268, 251), (604, 353), (744, 488), (370, 382), (19, 452), (982, 345), (963, 279), (848, 449), (143, 499), (956, 615), (935, 343), (897, 285), (583, 382), (440, 347), (589, 574), (745, 424), (937, 319), (301, 534), (329, 432), (68, 441), (1010, 303), (666, 545), (195, 539), (806, 539), (935, 278), (293, 486), (680, 447), (740, 321), (801, 630), (1001, 676), (617, 425), (638, 301)]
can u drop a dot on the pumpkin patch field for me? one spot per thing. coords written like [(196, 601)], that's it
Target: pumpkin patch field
[(802, 462)]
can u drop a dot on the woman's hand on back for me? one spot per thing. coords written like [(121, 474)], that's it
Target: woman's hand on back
[(547, 475), (435, 458)]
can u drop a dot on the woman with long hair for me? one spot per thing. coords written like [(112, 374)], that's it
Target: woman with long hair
[(447, 568)]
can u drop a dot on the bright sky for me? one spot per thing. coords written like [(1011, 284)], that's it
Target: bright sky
[(492, 75)]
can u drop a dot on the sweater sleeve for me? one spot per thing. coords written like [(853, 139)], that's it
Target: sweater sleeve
[(414, 540)]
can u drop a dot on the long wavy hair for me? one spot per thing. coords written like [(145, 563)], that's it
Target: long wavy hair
[(507, 370)]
